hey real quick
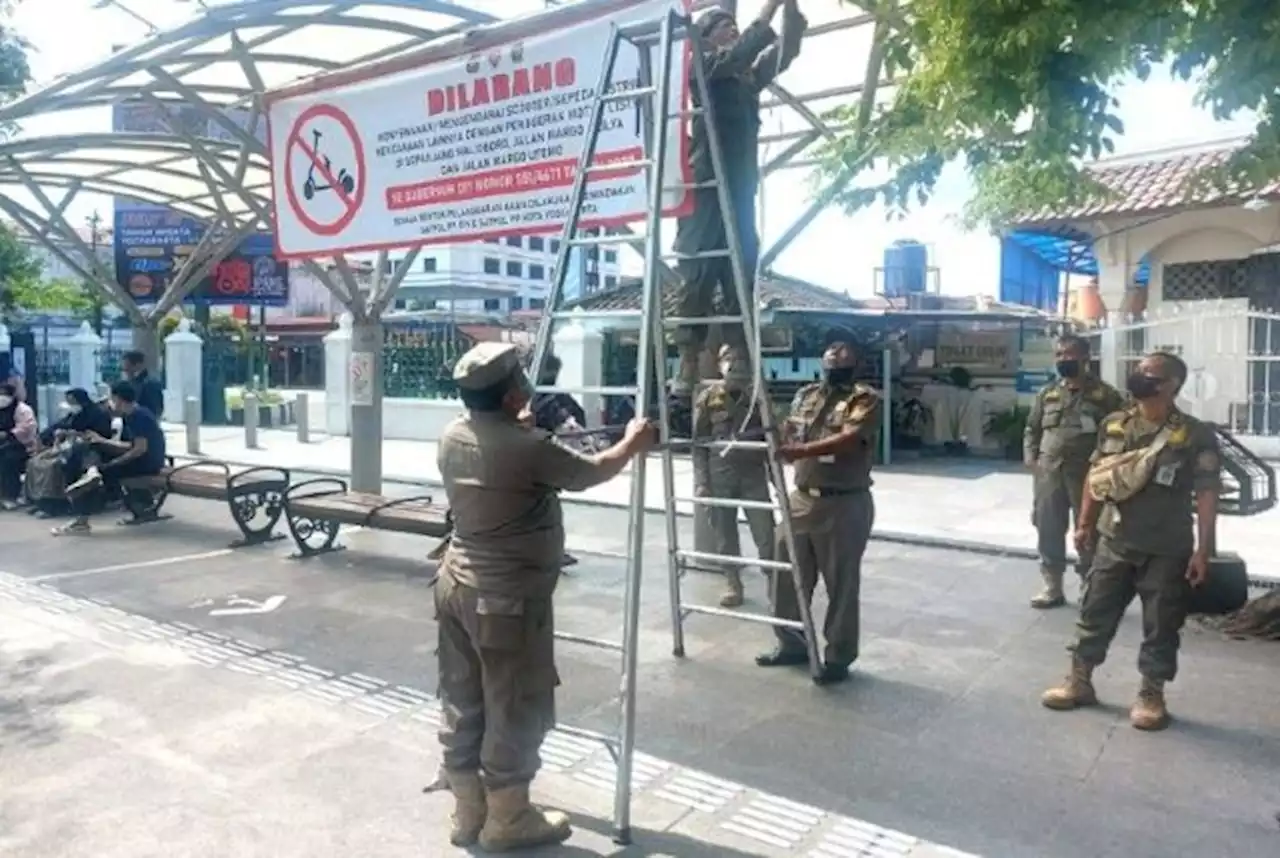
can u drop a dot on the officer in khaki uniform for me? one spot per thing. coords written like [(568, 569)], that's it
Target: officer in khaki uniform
[(719, 414), (493, 596), (1059, 439), (1152, 461), (832, 434)]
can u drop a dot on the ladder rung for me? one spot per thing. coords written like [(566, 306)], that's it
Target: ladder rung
[(721, 445), (708, 557), (597, 240), (596, 314), (731, 503), (653, 29), (702, 254), (624, 94), (764, 619), (590, 391), (683, 321), (642, 164), (580, 733), (599, 643), (691, 186)]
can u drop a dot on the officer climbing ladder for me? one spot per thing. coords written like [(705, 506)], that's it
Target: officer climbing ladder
[(668, 35)]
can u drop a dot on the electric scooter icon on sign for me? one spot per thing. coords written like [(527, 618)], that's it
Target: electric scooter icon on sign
[(343, 178)]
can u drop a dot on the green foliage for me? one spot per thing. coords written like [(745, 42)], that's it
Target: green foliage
[(19, 272), (15, 70), (53, 296), (1021, 92)]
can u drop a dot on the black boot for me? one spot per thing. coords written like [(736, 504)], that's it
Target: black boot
[(782, 657)]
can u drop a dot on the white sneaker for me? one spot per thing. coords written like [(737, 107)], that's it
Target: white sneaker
[(73, 528), (91, 478)]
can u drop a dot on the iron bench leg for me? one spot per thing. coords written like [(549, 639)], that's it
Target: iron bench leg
[(257, 504)]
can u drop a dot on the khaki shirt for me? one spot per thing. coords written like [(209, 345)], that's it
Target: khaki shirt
[(1064, 422), (503, 483), (719, 412), (820, 411), (1159, 518)]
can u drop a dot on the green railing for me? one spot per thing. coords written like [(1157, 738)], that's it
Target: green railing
[(418, 360)]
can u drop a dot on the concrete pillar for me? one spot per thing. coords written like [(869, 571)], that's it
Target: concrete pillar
[(146, 339), (581, 353), (364, 381), (337, 383), (84, 354), (184, 368)]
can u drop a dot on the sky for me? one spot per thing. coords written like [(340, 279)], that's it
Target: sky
[(836, 251)]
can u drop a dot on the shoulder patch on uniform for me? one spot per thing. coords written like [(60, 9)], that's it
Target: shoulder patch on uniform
[(1052, 394), (1178, 437), (1115, 426)]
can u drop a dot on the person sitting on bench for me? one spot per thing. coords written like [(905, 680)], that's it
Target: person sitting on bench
[(140, 454), (18, 440)]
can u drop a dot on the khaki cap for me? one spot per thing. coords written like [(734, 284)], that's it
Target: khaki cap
[(485, 365)]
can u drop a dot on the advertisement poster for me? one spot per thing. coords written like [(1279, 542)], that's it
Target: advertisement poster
[(152, 242), (477, 146)]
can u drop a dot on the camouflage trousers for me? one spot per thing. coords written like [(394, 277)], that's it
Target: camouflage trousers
[(1159, 581)]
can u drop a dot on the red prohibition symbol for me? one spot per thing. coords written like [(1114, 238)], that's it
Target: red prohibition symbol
[(323, 176)]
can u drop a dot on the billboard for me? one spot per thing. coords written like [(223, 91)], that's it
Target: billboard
[(478, 143), (152, 242)]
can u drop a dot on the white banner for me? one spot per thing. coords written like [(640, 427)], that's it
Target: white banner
[(477, 146)]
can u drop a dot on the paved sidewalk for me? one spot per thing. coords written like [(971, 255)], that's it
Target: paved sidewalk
[(978, 502), (121, 737)]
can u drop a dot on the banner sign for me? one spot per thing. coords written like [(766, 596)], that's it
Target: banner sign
[(475, 146), (152, 243)]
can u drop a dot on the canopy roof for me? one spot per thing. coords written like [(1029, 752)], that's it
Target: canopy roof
[(203, 151)]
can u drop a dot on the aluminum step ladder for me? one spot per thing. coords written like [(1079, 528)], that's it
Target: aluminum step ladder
[(652, 93)]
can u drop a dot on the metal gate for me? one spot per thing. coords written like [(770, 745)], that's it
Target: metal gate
[(1232, 355)]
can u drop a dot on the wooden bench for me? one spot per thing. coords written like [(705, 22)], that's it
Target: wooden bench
[(315, 509), (255, 496)]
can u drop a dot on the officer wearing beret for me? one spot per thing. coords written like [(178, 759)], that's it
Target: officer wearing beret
[(493, 596), (832, 434)]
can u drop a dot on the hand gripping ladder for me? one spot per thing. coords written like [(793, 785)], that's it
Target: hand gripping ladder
[(667, 34)]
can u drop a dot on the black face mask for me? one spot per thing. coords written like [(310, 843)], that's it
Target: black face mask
[(1068, 368), (1142, 386), (838, 375)]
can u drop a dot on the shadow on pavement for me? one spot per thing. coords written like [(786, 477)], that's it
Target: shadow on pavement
[(27, 708)]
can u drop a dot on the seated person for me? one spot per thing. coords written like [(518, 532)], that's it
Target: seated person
[(141, 453), (19, 438), (65, 454)]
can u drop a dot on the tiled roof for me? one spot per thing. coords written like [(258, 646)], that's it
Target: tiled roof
[(782, 293), (1151, 187)]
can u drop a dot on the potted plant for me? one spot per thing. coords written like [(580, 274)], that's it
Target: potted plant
[(1007, 427), (957, 409)]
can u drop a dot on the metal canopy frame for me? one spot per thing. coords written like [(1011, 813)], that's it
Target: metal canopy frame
[(217, 65), (227, 56)]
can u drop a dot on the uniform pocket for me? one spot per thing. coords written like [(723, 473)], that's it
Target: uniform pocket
[(500, 623), (1052, 416)]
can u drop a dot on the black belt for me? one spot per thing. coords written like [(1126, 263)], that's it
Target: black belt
[(830, 493)]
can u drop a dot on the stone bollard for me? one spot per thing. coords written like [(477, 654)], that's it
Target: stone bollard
[(250, 421), (191, 417), (302, 418)]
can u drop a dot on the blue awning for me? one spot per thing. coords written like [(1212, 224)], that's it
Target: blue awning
[(1070, 252)]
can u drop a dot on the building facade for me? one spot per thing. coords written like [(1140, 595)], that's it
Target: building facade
[(501, 275)]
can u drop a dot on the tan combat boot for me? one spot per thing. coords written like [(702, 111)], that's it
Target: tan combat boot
[(732, 597), (513, 823), (1149, 711), (469, 807), (1051, 596), (1075, 691)]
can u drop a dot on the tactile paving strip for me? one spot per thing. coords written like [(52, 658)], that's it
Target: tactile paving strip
[(790, 828)]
